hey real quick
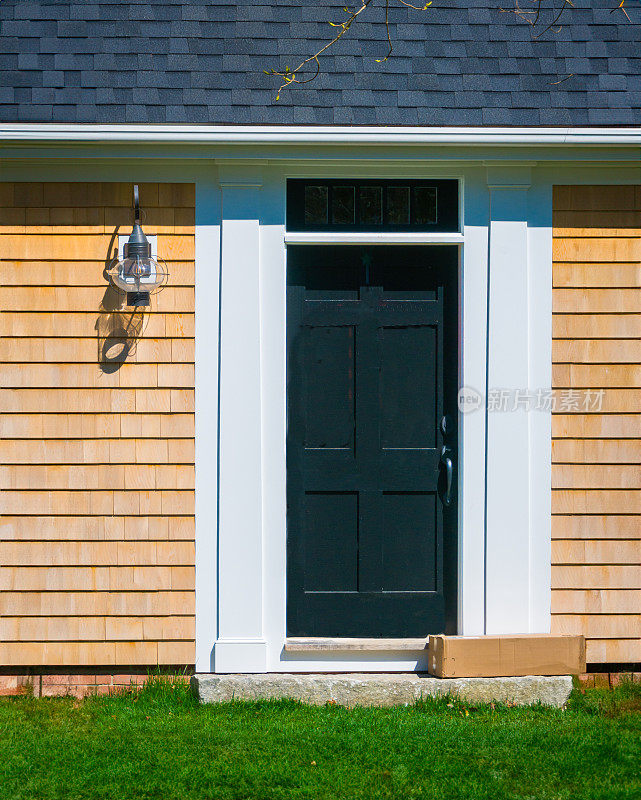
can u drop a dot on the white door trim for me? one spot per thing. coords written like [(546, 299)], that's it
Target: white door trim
[(269, 499)]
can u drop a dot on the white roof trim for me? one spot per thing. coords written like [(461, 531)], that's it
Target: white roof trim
[(19, 133)]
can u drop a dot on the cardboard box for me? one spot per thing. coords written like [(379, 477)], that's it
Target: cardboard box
[(510, 655)]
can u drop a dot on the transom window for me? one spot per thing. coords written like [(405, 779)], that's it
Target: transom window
[(400, 205)]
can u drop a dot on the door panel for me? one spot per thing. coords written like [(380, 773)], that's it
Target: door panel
[(329, 396), (408, 381), (372, 360), (410, 548), (331, 542)]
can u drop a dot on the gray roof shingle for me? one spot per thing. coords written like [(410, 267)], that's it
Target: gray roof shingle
[(461, 62)]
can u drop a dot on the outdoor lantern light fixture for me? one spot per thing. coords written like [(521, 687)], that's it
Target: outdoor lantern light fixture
[(139, 273)]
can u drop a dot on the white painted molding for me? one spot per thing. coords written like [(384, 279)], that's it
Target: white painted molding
[(240, 655), (207, 341), (540, 376), (374, 238), (293, 134), (473, 284), (509, 176), (245, 174)]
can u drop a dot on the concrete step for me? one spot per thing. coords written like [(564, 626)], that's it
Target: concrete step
[(391, 689)]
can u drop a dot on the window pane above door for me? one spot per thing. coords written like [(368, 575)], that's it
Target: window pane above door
[(371, 205)]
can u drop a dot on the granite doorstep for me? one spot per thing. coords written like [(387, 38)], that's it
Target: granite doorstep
[(363, 689)]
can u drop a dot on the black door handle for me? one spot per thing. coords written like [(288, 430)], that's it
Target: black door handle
[(446, 461)]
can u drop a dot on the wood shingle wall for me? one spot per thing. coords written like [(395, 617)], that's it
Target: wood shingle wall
[(96, 432), (596, 505)]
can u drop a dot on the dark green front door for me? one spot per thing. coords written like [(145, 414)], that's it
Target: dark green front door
[(371, 387)]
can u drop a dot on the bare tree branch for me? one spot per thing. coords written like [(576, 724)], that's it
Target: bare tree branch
[(555, 21), (620, 8), (389, 38), (309, 68), (290, 77), (556, 83)]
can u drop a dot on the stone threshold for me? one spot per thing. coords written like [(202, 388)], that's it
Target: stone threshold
[(380, 689), (324, 645)]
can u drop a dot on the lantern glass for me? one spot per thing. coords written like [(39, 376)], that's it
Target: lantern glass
[(139, 274)]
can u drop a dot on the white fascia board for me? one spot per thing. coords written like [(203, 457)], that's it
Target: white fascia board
[(16, 133)]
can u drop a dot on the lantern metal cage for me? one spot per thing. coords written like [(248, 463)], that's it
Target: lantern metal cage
[(138, 274)]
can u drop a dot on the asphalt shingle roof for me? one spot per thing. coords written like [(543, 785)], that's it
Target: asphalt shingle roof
[(461, 62)]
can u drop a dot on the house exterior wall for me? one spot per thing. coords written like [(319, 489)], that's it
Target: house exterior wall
[(596, 505), (96, 448), (96, 555)]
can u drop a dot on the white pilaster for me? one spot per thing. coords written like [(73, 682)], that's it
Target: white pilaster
[(518, 315), (508, 474), (240, 646)]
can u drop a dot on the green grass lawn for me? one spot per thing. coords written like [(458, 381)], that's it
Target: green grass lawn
[(159, 743)]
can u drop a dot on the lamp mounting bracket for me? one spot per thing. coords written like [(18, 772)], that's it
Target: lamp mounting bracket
[(136, 204)]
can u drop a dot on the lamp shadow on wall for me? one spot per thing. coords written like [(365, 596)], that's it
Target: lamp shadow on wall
[(118, 328)]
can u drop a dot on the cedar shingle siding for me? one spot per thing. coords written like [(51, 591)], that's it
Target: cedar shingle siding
[(596, 505), (202, 61), (96, 432)]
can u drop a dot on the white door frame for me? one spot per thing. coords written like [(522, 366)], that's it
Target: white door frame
[(252, 525)]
